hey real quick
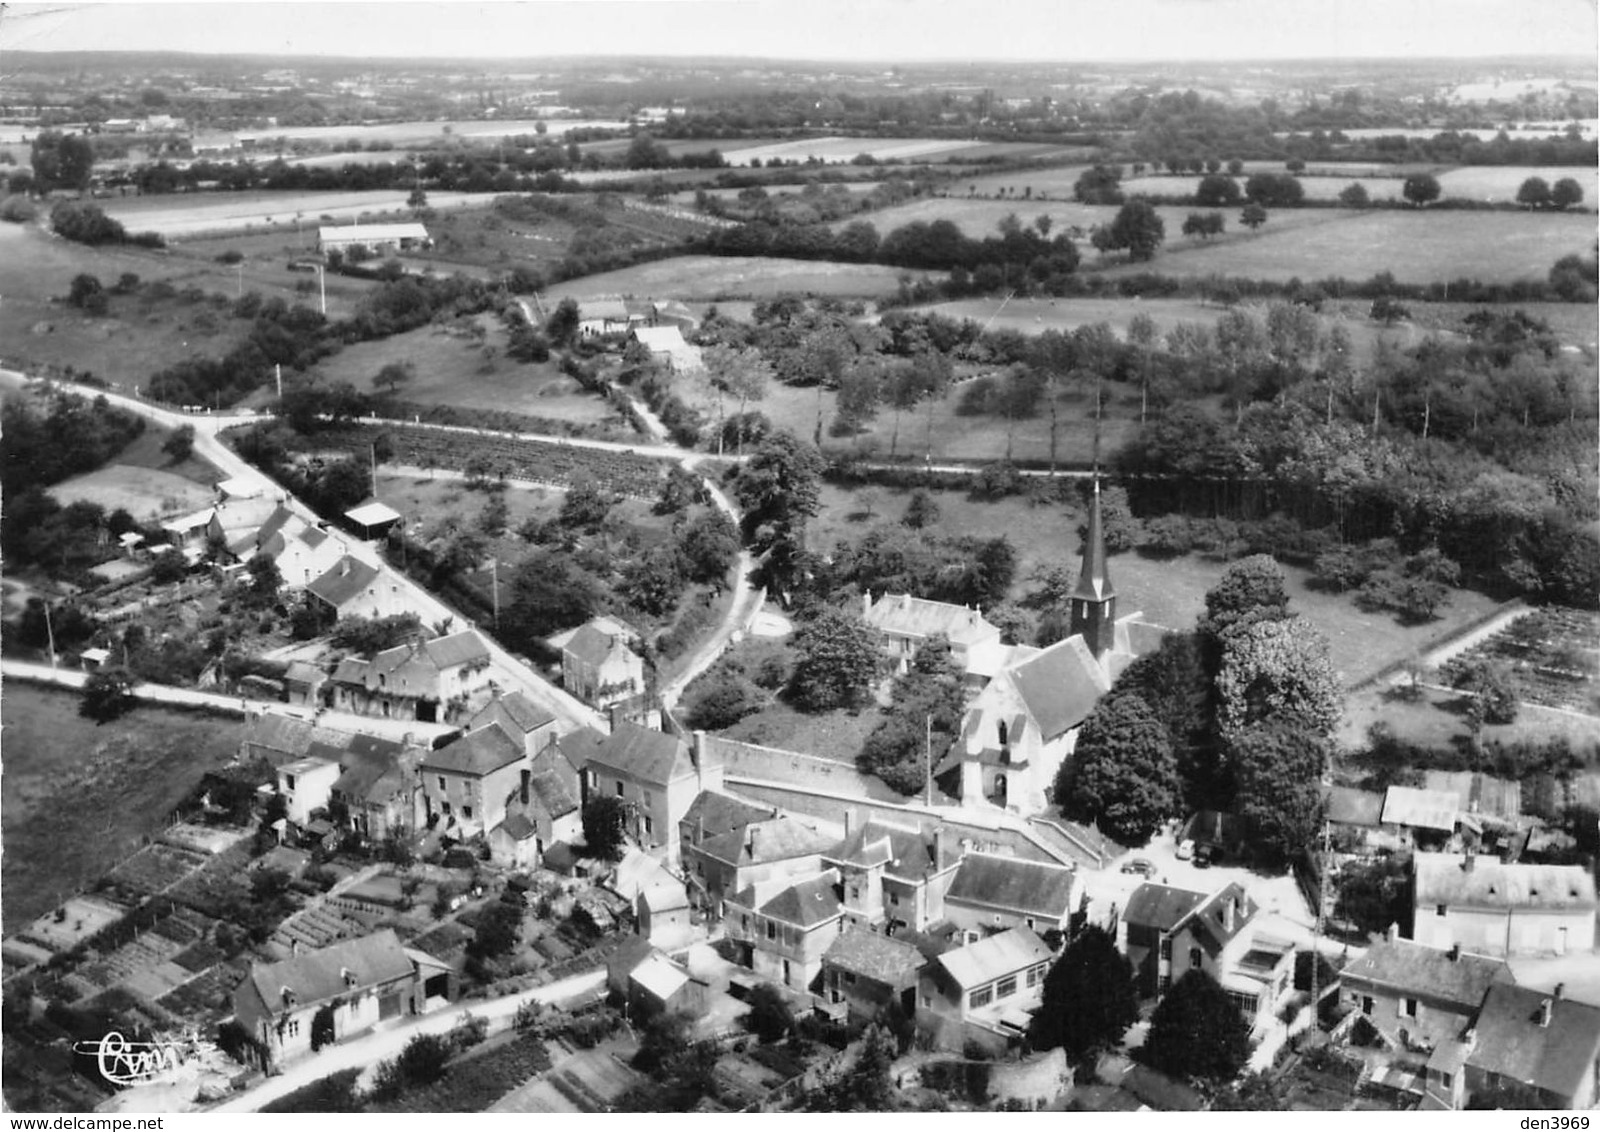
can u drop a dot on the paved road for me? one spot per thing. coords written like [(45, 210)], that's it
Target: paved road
[(374, 1047)]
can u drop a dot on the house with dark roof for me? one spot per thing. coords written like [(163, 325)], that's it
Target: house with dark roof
[(599, 664), (1421, 817), (1485, 906), (1147, 923), (769, 848), (1532, 1049), (657, 775), (544, 811), (781, 929), (905, 623), (1418, 997), (866, 971), (714, 813), (1355, 817), (469, 783), (359, 982), (985, 992), (1024, 723), (434, 680), (520, 716), (353, 588), (894, 876), (379, 791), (991, 893)]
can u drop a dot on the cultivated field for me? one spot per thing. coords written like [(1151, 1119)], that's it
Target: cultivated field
[(981, 217), (1316, 188), (1501, 182), (176, 216), (144, 493), (401, 133), (716, 277), (77, 797), (1418, 247), (840, 151)]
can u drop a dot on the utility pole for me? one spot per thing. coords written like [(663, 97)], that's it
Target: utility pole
[(278, 371), (927, 751), (50, 633), (1317, 927), (494, 574), (374, 450)]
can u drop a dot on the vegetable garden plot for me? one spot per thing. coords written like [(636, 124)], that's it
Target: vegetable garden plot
[(1553, 654)]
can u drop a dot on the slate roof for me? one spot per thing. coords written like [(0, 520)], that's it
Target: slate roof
[(1479, 793), (1161, 906), (1349, 806), (806, 904), (1060, 686), (908, 853), (594, 641), (659, 976), (517, 709), (644, 755), (364, 775), (1420, 809), (518, 827), (720, 813), (977, 963), (280, 733), (478, 752), (1094, 579), (416, 666), (552, 793), (779, 838), (316, 976), (580, 746), (906, 616), (1512, 1043), (1412, 968), (1029, 887), (346, 579), (874, 956), (1441, 878), (1212, 916)]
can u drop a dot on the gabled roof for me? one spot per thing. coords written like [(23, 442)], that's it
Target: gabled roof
[(1029, 887), (1459, 978), (986, 960), (1349, 806), (905, 853), (907, 616), (779, 838), (874, 956), (518, 827), (371, 513), (721, 813), (1512, 1042), (345, 580), (1161, 906), (1224, 914), (516, 709), (594, 643), (580, 746), (479, 752), (318, 975), (1420, 809), (660, 976), (806, 904), (1060, 686), (1478, 793), (1444, 878), (280, 733), (551, 792), (645, 755)]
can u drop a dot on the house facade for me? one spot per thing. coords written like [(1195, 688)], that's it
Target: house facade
[(353, 588), (306, 785), (599, 665), (1532, 1048), (906, 623), (1419, 998), (984, 992), (1484, 906), (432, 681), (866, 971), (468, 784), (657, 775), (781, 931), (893, 876), (991, 893), (772, 848)]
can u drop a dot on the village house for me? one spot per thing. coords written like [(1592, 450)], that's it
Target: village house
[(770, 848), (991, 893), (893, 876), (1145, 928), (1024, 723), (234, 523), (520, 717), (468, 784), (598, 317), (353, 588), (431, 681), (352, 985), (662, 916), (712, 814), (866, 971), (1417, 997), (984, 992), (660, 985), (598, 663), (378, 789), (657, 775), (377, 239), (544, 811), (1491, 908), (781, 930), (907, 622), (1525, 1049), (666, 345), (307, 785)]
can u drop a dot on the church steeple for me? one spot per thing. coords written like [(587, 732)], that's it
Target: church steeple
[(1094, 598)]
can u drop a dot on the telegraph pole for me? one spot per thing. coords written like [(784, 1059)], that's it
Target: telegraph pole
[(927, 751)]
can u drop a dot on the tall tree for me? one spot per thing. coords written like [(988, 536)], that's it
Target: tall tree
[(1565, 193), (1197, 1032), (1421, 189), (1089, 1000), (838, 660), (1277, 672), (1534, 192), (1122, 773), (1138, 228), (605, 827), (61, 161), (1277, 772), (1250, 590)]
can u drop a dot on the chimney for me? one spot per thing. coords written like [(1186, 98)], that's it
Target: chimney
[(849, 822), (938, 846), (1556, 994), (1454, 952), (1546, 1008), (526, 776), (866, 603), (1227, 915), (1468, 862), (1393, 933), (753, 838), (699, 829), (905, 601)]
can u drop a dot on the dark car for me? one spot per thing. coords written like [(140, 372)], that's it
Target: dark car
[(1207, 855), (1140, 866)]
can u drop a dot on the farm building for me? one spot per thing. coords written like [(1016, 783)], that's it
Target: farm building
[(379, 239), (353, 588), (906, 622), (984, 992), (666, 344), (1476, 902), (372, 518), (599, 664)]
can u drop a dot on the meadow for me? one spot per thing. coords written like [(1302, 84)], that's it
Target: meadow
[(981, 217), (838, 151), (1416, 246), (193, 214), (698, 277), (79, 797)]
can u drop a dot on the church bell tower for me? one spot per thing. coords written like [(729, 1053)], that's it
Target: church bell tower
[(1094, 598)]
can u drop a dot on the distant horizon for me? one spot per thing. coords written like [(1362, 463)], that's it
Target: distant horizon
[(889, 32)]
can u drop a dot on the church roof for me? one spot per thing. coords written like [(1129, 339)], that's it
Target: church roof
[(1094, 580), (1060, 686)]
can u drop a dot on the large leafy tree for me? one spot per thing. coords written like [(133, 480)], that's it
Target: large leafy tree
[(1173, 681), (61, 161), (1089, 998), (926, 708), (838, 661), (1139, 228), (778, 490), (605, 824), (1197, 1031), (1421, 189), (1277, 672), (1122, 774), (1278, 774), (1250, 590)]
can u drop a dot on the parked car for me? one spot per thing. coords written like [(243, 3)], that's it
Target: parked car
[(1185, 849), (1206, 856), (1139, 866)]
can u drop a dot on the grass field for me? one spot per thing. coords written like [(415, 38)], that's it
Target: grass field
[(1168, 592), (399, 133), (454, 370), (979, 217), (1501, 182), (144, 492), (1418, 247), (78, 797), (699, 277), (184, 215), (836, 150)]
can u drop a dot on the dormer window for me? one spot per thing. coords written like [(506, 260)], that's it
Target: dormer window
[(288, 998), (347, 976)]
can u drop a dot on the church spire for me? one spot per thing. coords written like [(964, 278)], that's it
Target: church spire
[(1094, 598)]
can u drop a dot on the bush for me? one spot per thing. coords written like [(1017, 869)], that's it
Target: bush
[(18, 209)]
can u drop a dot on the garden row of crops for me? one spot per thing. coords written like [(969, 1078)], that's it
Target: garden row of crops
[(1552, 657)]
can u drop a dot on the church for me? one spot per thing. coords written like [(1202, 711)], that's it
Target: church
[(1024, 723)]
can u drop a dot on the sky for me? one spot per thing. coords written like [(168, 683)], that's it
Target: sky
[(846, 30)]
